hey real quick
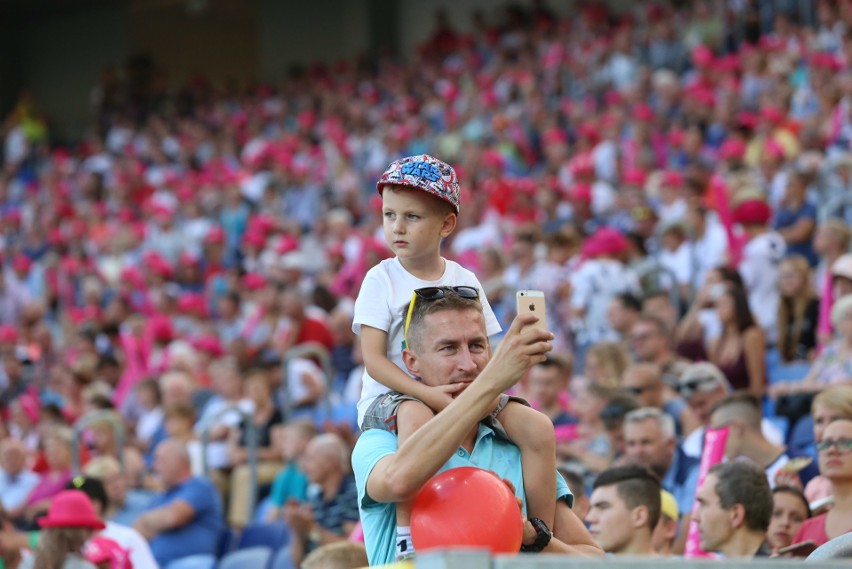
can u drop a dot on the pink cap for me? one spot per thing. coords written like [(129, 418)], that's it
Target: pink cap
[(672, 178), (634, 177), (216, 235), (605, 241), (752, 212), (254, 281), (8, 334), (702, 56), (732, 149), (643, 113)]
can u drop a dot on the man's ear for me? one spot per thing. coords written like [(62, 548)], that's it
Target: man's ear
[(639, 516), (738, 514), (409, 358), (449, 225)]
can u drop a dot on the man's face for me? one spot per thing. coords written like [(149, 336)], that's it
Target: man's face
[(645, 445), (646, 341), (544, 385), (609, 519), (315, 463), (643, 385), (714, 522), (165, 465), (12, 459), (701, 404), (454, 348)]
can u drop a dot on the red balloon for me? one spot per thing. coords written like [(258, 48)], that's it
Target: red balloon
[(466, 507)]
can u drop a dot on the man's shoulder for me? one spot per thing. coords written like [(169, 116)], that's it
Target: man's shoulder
[(372, 445)]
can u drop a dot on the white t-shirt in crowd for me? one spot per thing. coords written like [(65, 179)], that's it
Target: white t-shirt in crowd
[(681, 262), (709, 251), (382, 303), (759, 269), (132, 541), (595, 283)]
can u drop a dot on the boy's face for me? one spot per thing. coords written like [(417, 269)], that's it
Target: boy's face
[(414, 223)]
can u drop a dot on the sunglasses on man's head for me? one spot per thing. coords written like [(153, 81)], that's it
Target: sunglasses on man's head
[(431, 293), (689, 388)]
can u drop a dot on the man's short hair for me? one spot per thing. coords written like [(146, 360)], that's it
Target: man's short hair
[(575, 482), (91, 487), (658, 323), (637, 486), (743, 405), (180, 411), (564, 363), (743, 482), (663, 419), (629, 301), (423, 308)]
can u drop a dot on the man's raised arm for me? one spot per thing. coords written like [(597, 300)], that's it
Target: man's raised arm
[(399, 476)]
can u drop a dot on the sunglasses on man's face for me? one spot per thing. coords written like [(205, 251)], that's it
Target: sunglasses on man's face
[(432, 293)]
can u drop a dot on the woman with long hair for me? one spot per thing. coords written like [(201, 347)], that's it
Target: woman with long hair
[(69, 523), (834, 365), (798, 310), (740, 350)]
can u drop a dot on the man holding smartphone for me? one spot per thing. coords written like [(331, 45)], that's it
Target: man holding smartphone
[(450, 345)]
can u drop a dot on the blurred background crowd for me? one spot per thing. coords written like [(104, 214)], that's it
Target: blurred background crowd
[(676, 177)]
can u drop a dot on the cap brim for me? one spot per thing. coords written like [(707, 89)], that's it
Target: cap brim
[(70, 523)]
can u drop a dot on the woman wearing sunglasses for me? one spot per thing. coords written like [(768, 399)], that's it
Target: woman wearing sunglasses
[(835, 463)]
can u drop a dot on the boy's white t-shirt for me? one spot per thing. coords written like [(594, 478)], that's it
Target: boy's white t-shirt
[(382, 303)]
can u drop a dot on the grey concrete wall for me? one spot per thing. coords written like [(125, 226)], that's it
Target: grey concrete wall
[(303, 31), (62, 57)]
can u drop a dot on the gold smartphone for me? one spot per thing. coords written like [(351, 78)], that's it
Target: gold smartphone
[(532, 302)]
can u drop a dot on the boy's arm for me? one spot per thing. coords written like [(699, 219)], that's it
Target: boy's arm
[(374, 343)]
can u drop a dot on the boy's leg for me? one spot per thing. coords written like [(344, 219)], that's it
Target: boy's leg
[(533, 433), (410, 416)]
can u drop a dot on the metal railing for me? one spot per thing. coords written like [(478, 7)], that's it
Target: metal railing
[(89, 419)]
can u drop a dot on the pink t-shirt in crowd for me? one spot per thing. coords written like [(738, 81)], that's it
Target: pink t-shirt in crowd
[(813, 530)]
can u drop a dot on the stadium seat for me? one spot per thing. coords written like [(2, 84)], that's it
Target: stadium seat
[(282, 559), (193, 562), (782, 424), (254, 557), (226, 543), (801, 439), (273, 535)]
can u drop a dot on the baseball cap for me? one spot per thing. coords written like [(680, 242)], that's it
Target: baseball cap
[(426, 173)]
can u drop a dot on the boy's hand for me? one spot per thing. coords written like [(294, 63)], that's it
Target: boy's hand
[(442, 395)]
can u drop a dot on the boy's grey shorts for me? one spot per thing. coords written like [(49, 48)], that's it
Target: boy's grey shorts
[(381, 414)]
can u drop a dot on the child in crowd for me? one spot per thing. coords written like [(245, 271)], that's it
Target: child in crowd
[(420, 204)]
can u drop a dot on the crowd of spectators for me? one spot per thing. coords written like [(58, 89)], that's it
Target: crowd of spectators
[(676, 178)]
